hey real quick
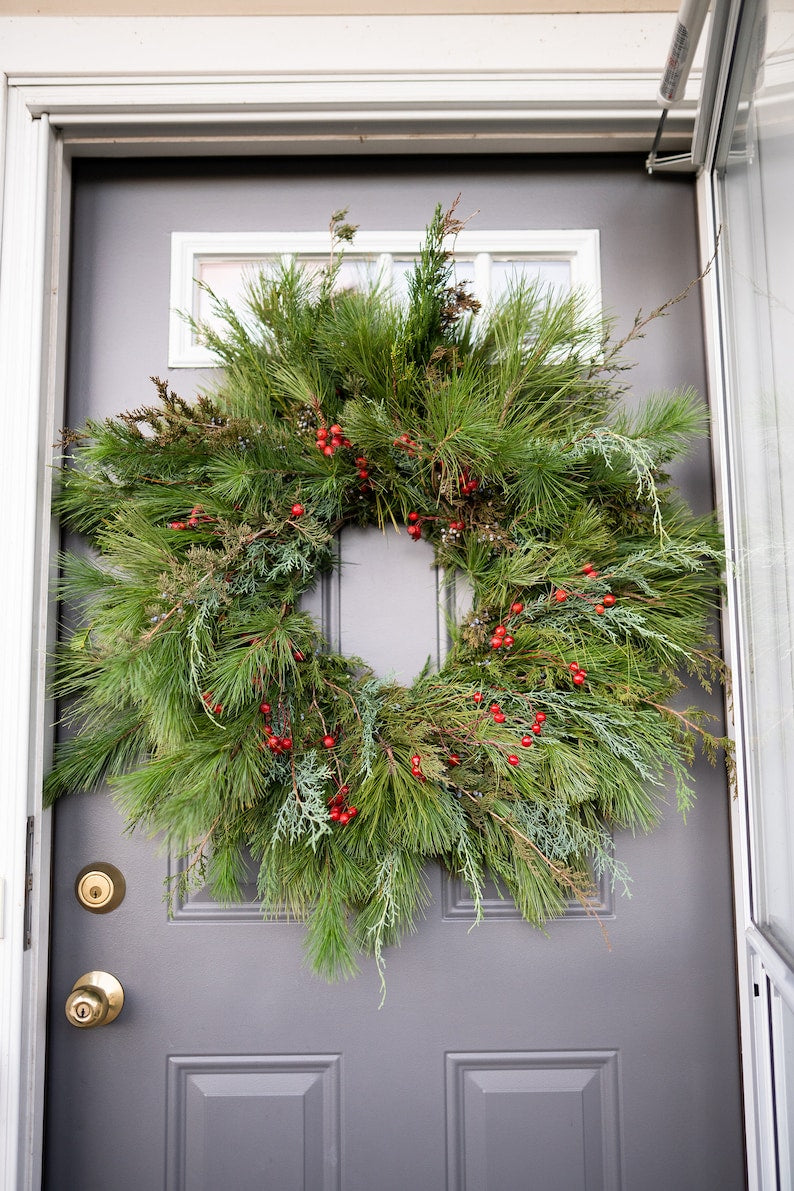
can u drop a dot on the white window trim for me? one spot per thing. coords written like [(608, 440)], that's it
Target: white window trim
[(578, 246), (524, 84)]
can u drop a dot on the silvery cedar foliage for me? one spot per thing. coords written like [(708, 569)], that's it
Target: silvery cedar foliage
[(199, 691)]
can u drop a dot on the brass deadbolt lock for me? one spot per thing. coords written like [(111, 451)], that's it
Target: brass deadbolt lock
[(96, 999), (100, 887)]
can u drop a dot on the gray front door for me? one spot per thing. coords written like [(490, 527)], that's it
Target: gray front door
[(503, 1059)]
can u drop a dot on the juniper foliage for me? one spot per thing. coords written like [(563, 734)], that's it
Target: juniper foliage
[(506, 434)]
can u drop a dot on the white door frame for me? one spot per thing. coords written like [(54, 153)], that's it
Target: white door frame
[(518, 84)]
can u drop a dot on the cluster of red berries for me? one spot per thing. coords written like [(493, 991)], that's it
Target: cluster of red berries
[(577, 673), (466, 484), (501, 638), (197, 516), (457, 525), (215, 708), (340, 812), (416, 767), (363, 472), (599, 608), (278, 744), (406, 443), (329, 441), (499, 717), (536, 729), (414, 526)]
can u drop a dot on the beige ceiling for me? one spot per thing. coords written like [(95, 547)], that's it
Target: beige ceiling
[(162, 8)]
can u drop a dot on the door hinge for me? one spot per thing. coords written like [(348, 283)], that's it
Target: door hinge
[(28, 919)]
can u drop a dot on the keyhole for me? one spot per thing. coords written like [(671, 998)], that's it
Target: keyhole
[(96, 891), (82, 1012)]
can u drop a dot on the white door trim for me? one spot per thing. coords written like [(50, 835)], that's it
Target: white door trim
[(426, 107)]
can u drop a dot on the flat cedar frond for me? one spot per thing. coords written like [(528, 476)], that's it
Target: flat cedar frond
[(226, 724)]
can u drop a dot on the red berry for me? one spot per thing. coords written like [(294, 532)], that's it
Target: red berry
[(352, 811), (583, 673), (526, 741), (413, 516), (298, 510), (404, 438), (272, 742), (587, 568), (416, 771), (477, 696), (361, 461), (499, 631), (516, 607), (193, 522), (537, 729), (609, 599), (338, 800), (344, 817), (508, 641), (336, 429), (344, 790), (346, 443), (336, 814), (512, 759), (578, 679), (540, 717), (561, 596), (328, 450), (218, 708), (574, 668), (176, 525), (599, 609), (494, 707), (298, 656), (286, 743), (363, 474), (416, 759), (264, 708), (496, 642), (499, 717), (322, 432), (329, 741), (453, 759)]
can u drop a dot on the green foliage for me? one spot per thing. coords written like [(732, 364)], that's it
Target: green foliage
[(194, 684)]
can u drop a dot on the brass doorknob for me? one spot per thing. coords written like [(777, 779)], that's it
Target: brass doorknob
[(96, 999)]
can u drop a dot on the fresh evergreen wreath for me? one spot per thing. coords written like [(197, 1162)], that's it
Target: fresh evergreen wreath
[(205, 696)]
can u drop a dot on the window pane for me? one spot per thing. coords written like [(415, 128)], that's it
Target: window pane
[(505, 274), (759, 253)]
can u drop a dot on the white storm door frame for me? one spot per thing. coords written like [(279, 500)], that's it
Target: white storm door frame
[(47, 121)]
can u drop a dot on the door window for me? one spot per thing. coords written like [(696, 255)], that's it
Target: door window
[(488, 262)]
